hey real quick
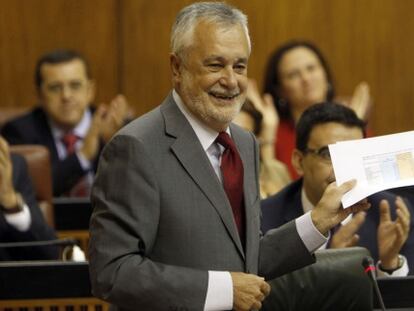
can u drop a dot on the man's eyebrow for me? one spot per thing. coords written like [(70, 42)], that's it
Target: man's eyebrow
[(222, 59)]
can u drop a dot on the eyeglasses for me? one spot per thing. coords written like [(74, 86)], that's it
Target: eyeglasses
[(322, 152)]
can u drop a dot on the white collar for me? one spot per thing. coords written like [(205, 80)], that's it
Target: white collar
[(206, 135), (80, 130), (306, 204)]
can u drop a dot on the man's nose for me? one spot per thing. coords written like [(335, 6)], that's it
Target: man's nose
[(228, 78), (66, 92)]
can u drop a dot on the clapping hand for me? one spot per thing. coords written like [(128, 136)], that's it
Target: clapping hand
[(392, 234), (346, 235)]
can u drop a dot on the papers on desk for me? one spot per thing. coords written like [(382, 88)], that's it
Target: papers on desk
[(377, 163)]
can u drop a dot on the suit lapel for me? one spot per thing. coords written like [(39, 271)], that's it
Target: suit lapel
[(188, 150), (45, 134), (247, 154)]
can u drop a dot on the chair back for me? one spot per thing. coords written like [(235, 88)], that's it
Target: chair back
[(336, 281), (10, 113), (38, 162)]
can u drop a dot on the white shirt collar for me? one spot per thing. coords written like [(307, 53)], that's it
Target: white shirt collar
[(206, 135), (306, 204), (80, 130)]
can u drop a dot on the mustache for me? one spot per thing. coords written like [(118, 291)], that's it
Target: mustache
[(225, 93)]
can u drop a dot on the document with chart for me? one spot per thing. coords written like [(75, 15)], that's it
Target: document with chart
[(377, 163)]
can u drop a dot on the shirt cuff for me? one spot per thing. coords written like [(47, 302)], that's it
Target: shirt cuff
[(403, 271), (309, 234), (85, 163), (21, 220), (219, 291)]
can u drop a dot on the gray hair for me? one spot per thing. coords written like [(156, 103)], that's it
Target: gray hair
[(215, 12)]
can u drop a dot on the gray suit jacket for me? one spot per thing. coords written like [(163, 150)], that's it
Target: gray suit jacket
[(161, 218)]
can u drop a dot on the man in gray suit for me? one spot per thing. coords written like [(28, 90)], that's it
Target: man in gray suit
[(166, 232)]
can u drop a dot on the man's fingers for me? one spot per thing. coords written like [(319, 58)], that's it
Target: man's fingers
[(360, 206), (354, 240), (400, 238), (357, 221), (265, 288), (346, 186), (349, 229), (384, 207), (248, 291), (400, 203), (257, 305)]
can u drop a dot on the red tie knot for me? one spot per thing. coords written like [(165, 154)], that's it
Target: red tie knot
[(69, 140), (225, 140)]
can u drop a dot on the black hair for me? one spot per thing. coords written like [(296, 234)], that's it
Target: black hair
[(272, 79), (323, 113), (57, 57)]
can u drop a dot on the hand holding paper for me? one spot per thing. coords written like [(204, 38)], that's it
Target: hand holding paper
[(377, 163), (328, 212)]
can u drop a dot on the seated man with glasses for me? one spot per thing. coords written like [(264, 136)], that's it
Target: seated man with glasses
[(384, 229)]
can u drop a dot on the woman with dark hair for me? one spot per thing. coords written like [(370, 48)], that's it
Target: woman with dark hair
[(298, 76)]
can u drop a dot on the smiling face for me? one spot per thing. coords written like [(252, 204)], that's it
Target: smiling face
[(211, 74), (65, 92), (317, 172), (303, 80)]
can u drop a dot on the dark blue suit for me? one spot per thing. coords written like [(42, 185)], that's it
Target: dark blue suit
[(287, 205), (38, 230), (33, 128)]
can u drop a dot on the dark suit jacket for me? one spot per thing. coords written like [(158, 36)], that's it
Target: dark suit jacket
[(161, 218), (287, 205), (38, 231), (33, 128)]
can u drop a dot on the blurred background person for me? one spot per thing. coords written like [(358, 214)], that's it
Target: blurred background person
[(386, 229), (65, 123), (297, 76), (258, 115), (20, 217)]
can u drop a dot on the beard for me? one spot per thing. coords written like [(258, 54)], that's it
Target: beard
[(210, 109)]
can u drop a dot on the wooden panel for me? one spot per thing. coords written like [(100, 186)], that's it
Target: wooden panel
[(127, 42), (145, 31), (370, 40), (29, 28)]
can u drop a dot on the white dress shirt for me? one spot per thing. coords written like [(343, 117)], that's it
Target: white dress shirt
[(220, 285)]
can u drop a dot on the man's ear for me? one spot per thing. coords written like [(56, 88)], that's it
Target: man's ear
[(297, 161), (175, 64)]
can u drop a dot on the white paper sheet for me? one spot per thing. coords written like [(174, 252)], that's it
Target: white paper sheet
[(377, 163)]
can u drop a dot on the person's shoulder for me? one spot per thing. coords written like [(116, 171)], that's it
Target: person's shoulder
[(382, 195), (26, 128), (26, 122), (36, 114), (376, 198), (284, 196), (143, 126)]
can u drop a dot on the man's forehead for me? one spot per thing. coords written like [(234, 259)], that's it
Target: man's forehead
[(72, 68), (332, 132)]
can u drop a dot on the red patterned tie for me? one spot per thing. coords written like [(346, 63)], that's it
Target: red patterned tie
[(81, 188), (232, 172), (69, 140)]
